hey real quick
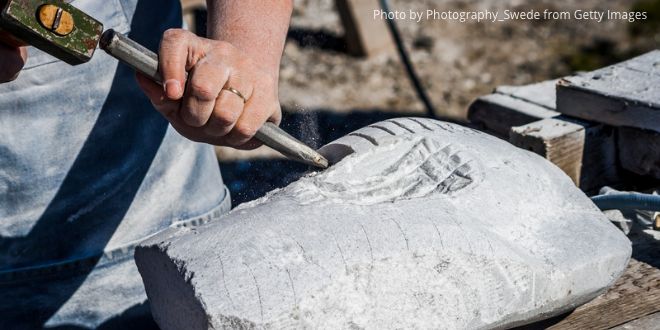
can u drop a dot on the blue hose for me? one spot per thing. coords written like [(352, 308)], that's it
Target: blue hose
[(627, 201)]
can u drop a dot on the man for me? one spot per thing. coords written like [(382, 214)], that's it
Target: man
[(88, 169)]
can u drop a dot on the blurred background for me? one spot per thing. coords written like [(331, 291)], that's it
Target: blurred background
[(326, 92)]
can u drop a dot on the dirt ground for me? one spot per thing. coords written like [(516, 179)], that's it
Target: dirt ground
[(456, 61)]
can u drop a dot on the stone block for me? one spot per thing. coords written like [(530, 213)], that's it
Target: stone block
[(423, 224)]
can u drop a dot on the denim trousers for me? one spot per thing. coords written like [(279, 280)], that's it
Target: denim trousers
[(88, 169)]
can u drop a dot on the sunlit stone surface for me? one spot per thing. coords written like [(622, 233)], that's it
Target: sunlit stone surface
[(423, 224)]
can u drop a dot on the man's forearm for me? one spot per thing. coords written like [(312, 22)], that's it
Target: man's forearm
[(256, 27)]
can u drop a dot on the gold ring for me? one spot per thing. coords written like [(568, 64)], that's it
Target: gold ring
[(235, 91)]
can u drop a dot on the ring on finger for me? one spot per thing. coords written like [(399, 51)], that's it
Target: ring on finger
[(236, 92)]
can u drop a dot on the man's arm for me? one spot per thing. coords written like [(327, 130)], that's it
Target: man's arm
[(256, 27), (243, 52)]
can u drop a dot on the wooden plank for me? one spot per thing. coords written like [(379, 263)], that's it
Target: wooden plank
[(585, 151), (365, 36), (613, 313), (511, 106), (649, 322), (639, 151), (625, 94), (191, 10), (559, 141), (636, 294), (497, 113), (193, 4), (541, 94)]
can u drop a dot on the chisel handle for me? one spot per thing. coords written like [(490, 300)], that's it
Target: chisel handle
[(145, 61)]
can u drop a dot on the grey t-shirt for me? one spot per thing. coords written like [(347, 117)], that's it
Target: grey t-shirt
[(87, 166)]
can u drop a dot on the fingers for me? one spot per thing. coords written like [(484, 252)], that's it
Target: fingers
[(180, 51), (195, 72), (226, 112), (12, 60), (229, 105), (203, 89), (261, 107)]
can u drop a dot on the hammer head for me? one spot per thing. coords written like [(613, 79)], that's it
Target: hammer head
[(53, 26)]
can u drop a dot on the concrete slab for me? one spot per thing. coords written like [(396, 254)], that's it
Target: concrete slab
[(435, 225)]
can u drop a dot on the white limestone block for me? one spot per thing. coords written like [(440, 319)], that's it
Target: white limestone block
[(423, 224)]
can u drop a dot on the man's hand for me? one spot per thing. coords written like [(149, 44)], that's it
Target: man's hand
[(12, 60), (194, 98)]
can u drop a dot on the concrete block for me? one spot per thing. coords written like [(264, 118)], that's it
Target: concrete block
[(425, 224)]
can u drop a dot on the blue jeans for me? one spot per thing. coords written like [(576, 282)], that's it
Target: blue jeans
[(88, 169)]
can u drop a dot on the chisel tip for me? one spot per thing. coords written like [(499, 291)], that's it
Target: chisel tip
[(313, 158), (321, 162)]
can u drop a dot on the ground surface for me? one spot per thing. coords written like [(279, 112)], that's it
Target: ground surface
[(457, 61)]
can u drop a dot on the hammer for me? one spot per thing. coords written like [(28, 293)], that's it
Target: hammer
[(69, 34)]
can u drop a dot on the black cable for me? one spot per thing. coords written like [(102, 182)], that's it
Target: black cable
[(403, 54)]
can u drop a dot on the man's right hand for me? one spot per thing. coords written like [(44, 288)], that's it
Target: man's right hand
[(12, 60)]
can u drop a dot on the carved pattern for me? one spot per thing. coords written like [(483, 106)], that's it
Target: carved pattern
[(402, 168)]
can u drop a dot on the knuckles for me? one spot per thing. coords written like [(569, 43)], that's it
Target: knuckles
[(222, 48), (221, 59), (175, 35), (203, 90), (224, 118), (244, 131)]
